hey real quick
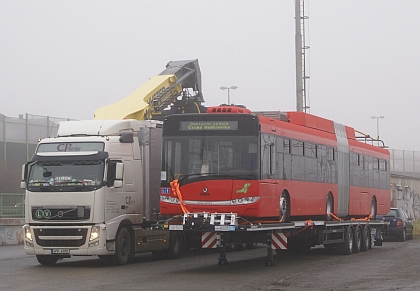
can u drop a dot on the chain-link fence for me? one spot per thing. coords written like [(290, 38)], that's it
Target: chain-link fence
[(18, 140), (405, 163)]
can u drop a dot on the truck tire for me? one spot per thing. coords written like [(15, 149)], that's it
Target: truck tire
[(357, 235), (122, 246), (365, 239), (346, 247), (175, 247), (47, 260)]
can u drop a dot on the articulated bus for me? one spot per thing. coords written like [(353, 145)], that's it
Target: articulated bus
[(229, 160)]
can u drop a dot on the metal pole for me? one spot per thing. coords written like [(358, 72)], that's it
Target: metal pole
[(228, 96), (298, 53)]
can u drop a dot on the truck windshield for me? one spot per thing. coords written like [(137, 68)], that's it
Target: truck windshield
[(197, 157), (66, 175)]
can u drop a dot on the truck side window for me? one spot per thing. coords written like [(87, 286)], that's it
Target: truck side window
[(110, 175)]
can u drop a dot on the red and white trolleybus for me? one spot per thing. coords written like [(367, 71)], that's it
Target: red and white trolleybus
[(296, 166)]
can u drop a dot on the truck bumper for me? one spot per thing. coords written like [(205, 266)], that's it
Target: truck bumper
[(64, 241)]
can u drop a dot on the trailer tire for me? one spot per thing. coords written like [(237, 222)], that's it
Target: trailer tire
[(357, 239), (122, 246), (366, 243), (47, 260), (346, 247), (284, 207)]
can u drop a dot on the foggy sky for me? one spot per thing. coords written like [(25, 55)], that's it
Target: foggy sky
[(68, 58)]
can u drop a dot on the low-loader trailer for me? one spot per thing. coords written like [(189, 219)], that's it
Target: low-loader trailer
[(94, 190)]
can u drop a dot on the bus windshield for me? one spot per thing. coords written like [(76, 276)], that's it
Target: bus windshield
[(190, 157), (66, 175)]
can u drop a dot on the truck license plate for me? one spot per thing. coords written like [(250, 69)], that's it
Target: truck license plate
[(60, 251)]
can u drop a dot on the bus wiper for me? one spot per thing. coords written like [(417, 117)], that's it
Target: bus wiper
[(233, 175)]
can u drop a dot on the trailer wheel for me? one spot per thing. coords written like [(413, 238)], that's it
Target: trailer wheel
[(329, 208), (122, 246), (365, 238), (357, 239), (346, 247), (47, 260), (284, 207)]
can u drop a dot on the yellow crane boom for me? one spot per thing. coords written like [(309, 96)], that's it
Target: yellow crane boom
[(177, 89)]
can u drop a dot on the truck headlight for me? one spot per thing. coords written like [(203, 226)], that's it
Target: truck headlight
[(28, 234), (94, 233)]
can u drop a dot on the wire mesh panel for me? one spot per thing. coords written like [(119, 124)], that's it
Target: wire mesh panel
[(405, 162), (12, 205), (18, 140)]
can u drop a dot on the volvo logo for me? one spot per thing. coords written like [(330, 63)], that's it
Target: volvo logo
[(60, 213), (204, 190)]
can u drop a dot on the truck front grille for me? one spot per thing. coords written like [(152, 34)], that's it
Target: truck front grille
[(76, 213), (60, 237)]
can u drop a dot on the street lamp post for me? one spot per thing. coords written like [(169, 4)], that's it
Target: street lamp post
[(228, 88), (377, 123)]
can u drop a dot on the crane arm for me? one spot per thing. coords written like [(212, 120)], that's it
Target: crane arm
[(177, 89)]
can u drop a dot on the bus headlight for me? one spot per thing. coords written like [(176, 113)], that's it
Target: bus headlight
[(244, 200), (169, 199)]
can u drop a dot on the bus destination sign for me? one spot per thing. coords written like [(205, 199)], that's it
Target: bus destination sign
[(208, 125)]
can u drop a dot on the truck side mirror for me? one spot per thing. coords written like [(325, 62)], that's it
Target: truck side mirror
[(24, 176), (119, 172)]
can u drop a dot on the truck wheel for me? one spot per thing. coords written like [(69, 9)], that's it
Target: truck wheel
[(175, 245), (357, 239), (346, 247), (365, 238), (284, 207), (122, 246), (174, 249), (46, 260)]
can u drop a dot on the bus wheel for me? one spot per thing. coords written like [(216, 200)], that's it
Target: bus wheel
[(284, 207), (329, 208), (122, 246), (346, 247), (373, 208), (357, 239), (47, 260), (365, 238)]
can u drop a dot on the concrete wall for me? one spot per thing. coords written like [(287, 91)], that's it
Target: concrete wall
[(11, 231), (405, 194)]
